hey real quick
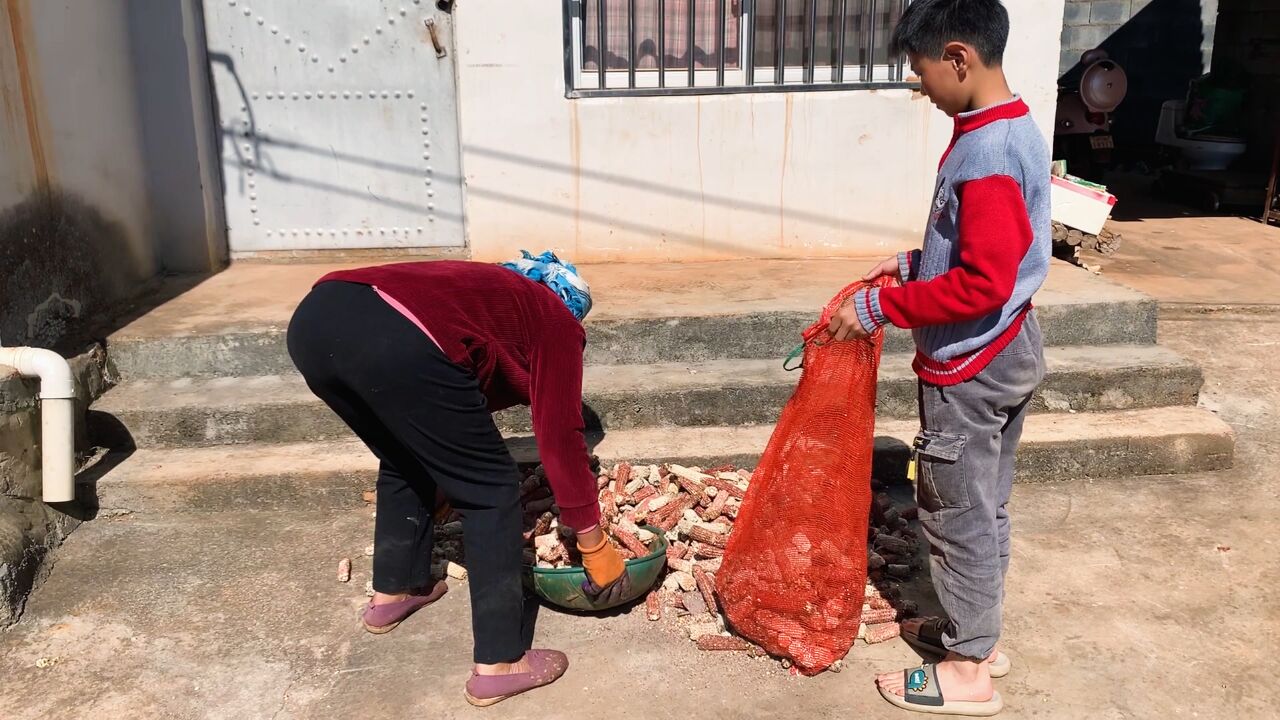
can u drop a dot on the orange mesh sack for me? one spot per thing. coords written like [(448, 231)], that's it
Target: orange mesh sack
[(794, 571)]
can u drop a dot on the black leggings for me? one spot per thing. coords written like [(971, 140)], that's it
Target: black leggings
[(427, 421)]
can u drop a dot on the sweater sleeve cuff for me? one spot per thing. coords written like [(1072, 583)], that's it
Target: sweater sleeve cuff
[(867, 304), (581, 517), (908, 262)]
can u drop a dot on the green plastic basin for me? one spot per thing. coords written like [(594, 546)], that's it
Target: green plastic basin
[(562, 587)]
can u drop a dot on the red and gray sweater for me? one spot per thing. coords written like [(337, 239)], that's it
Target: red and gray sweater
[(522, 345), (986, 249)]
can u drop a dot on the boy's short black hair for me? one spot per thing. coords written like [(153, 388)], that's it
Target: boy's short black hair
[(928, 25)]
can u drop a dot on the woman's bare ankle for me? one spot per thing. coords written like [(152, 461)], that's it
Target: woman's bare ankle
[(511, 668), (380, 598)]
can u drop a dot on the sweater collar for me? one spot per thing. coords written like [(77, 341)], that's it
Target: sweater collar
[(1012, 108)]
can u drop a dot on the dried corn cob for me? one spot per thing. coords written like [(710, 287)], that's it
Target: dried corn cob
[(529, 484), (875, 602), (896, 546), (727, 487), (678, 565), (880, 633), (677, 550), (716, 508), (619, 479), (703, 550), (694, 476), (541, 493), (704, 534), (898, 571), (720, 642), (687, 583), (543, 524), (608, 507), (653, 606), (706, 584), (644, 493), (658, 502), (712, 566), (877, 616), (692, 487), (631, 542)]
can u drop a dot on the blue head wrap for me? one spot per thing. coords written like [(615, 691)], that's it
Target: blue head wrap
[(560, 276)]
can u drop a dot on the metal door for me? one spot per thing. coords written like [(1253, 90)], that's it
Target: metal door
[(338, 123)]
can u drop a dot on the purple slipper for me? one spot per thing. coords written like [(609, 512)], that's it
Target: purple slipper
[(380, 619), (546, 666)]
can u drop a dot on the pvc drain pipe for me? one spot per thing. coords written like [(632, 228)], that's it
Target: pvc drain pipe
[(57, 417)]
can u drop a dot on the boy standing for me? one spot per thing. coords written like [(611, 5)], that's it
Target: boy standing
[(967, 298)]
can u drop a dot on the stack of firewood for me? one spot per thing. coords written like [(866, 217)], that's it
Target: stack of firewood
[(1068, 243)]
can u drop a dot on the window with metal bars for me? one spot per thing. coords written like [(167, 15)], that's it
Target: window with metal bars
[(702, 47)]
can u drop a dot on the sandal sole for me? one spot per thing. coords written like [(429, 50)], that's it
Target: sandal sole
[(954, 707), (485, 702), (381, 629)]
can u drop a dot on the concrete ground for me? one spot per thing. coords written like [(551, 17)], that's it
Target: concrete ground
[(1128, 598), (1183, 257)]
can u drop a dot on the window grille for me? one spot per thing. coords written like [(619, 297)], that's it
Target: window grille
[(699, 47)]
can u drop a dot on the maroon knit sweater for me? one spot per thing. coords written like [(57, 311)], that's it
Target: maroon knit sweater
[(523, 346)]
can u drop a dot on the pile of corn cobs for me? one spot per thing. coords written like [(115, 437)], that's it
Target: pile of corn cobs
[(696, 510)]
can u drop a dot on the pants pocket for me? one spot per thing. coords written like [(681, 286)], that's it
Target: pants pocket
[(942, 482)]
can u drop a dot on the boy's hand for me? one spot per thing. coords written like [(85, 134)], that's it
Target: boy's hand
[(845, 325), (888, 268)]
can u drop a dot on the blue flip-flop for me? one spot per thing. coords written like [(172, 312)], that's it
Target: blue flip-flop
[(922, 695)]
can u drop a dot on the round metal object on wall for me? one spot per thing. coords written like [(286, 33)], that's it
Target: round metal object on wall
[(1103, 86)]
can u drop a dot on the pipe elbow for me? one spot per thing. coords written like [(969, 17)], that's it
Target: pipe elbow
[(53, 370)]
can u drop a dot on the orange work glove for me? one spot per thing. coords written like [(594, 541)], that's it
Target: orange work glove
[(602, 562)]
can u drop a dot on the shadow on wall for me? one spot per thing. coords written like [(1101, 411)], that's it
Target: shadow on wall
[(170, 127), (63, 266), (262, 147), (1160, 50)]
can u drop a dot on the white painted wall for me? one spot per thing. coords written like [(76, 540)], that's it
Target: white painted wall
[(118, 106), (758, 175), (81, 57)]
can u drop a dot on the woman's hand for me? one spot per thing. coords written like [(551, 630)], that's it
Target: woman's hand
[(607, 580)]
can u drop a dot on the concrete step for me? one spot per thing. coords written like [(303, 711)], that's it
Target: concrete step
[(233, 325), (275, 409), (303, 476)]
